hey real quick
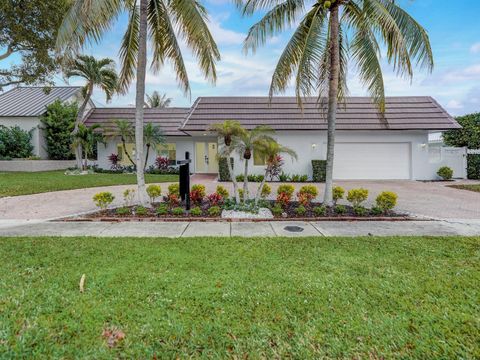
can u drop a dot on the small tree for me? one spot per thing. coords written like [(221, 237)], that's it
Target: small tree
[(87, 137), (468, 135), (158, 101), (152, 137), (125, 131)]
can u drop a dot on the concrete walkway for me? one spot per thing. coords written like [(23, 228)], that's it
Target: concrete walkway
[(242, 229)]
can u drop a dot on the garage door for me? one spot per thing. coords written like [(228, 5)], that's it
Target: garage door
[(372, 161)]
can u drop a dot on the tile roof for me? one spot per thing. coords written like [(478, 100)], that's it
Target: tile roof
[(283, 113), (32, 100), (169, 119)]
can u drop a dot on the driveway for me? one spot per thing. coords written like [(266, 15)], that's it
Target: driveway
[(431, 200)]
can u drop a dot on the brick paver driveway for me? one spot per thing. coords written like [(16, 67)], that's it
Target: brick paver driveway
[(433, 200)]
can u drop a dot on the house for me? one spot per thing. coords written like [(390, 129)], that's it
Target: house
[(23, 106), (368, 145)]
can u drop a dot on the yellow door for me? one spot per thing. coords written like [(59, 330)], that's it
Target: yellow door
[(212, 158), (206, 157), (200, 163)]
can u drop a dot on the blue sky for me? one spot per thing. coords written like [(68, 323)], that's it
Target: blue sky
[(453, 27)]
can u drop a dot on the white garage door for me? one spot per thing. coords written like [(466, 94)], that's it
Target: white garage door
[(372, 161)]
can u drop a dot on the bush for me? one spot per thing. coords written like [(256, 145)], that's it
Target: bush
[(197, 193), (376, 211), (114, 159), (473, 166), (283, 177), (162, 209), (284, 194), (300, 210), (240, 178), (386, 201), (340, 209), (319, 169), (15, 142), (303, 178), (162, 163), (445, 173), (153, 192), (173, 200), (277, 210), (253, 178), (360, 210), (295, 178), (128, 196), (266, 191), (196, 211), (178, 211), (214, 211), (141, 211), (240, 194), (103, 199), (222, 192), (357, 196), (320, 210), (174, 189), (200, 189), (123, 211), (57, 124), (223, 173), (214, 199), (338, 193), (306, 194)]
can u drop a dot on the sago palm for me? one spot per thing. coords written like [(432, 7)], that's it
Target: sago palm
[(316, 55), (163, 21), (158, 101), (97, 73), (152, 137)]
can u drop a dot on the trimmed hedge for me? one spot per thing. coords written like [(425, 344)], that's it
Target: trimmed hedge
[(223, 169), (319, 170), (473, 166)]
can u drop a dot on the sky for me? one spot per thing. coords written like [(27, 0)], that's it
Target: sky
[(453, 27)]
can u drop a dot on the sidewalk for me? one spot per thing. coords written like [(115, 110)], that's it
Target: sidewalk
[(242, 229)]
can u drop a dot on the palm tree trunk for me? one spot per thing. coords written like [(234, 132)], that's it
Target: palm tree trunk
[(245, 182), (332, 101), (140, 101), (78, 121), (259, 190), (146, 157), (232, 178), (124, 144)]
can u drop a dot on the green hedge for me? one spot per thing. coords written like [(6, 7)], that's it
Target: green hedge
[(319, 170), (473, 166), (223, 169)]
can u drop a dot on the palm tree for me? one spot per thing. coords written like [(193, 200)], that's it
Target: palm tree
[(99, 73), (271, 151), (87, 137), (316, 54), (158, 101), (245, 144), (164, 21), (152, 136), (125, 131), (226, 131)]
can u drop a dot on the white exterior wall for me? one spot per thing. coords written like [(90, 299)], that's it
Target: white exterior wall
[(27, 124)]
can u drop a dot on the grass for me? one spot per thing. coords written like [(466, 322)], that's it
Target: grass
[(474, 187), (237, 298), (24, 183)]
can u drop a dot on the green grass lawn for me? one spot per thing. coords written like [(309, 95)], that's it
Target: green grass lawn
[(474, 187), (257, 298), (24, 183)]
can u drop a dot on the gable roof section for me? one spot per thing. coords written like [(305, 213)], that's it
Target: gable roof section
[(169, 119), (33, 100), (283, 113)]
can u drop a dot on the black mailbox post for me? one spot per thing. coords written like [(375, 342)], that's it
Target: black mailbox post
[(185, 179)]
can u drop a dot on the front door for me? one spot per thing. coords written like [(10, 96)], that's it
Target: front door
[(206, 157)]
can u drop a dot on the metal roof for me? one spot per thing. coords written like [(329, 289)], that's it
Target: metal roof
[(32, 100), (283, 113), (169, 119)]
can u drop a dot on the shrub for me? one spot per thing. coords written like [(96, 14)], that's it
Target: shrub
[(240, 178), (223, 173), (222, 192), (214, 211), (266, 191), (360, 210), (178, 211), (103, 199), (295, 178), (338, 193), (214, 199), (128, 196), (141, 210), (283, 177), (386, 201), (277, 210), (240, 194), (473, 166), (162, 209), (445, 173), (15, 142), (286, 189), (306, 194), (357, 196), (300, 210), (197, 193), (200, 188), (253, 178), (340, 209), (275, 167), (196, 211), (173, 200), (303, 178), (320, 210), (153, 192), (376, 211), (123, 211), (174, 189), (114, 160), (319, 170), (162, 163)]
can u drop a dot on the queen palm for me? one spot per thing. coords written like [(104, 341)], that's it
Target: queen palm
[(317, 53), (152, 136), (125, 131), (87, 137), (163, 21), (99, 73), (158, 101)]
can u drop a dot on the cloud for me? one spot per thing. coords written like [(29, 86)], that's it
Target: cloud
[(454, 104), (224, 36), (475, 48)]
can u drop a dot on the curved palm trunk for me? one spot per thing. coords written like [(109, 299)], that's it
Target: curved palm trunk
[(233, 179), (140, 101), (124, 144), (245, 182), (332, 101), (146, 157), (259, 190), (78, 121)]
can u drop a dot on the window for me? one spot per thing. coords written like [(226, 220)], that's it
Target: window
[(168, 150), (258, 159)]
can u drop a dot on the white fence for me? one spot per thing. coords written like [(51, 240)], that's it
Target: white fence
[(453, 157)]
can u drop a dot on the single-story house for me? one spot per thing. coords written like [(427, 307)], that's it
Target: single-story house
[(368, 145), (23, 106)]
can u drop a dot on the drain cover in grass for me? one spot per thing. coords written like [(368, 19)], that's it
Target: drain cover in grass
[(293, 228)]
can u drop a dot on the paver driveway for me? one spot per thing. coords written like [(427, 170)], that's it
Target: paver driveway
[(432, 200)]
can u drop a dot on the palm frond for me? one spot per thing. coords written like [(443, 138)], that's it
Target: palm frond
[(128, 53)]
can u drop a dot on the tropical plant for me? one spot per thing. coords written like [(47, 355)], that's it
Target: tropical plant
[(357, 196), (164, 22), (15, 142), (152, 137), (99, 73), (128, 197), (319, 48), (162, 163), (125, 131), (445, 172), (468, 135), (386, 201), (222, 191), (154, 192), (87, 137), (338, 193), (306, 194), (114, 160), (158, 101), (103, 199)]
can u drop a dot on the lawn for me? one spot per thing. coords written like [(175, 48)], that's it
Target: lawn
[(240, 298), (24, 183), (474, 187)]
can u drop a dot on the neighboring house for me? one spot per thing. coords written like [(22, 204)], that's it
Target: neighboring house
[(368, 146), (23, 106)]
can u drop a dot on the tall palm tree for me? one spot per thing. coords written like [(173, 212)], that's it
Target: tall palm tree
[(125, 131), (99, 73), (319, 48), (158, 101), (227, 131), (152, 137), (163, 21)]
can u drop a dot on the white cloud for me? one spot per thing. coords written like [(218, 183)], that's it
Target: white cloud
[(454, 104), (475, 48), (224, 36)]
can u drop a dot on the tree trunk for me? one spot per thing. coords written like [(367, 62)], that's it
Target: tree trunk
[(259, 190), (85, 165), (140, 101), (233, 178), (245, 182), (78, 121), (332, 101), (146, 157), (126, 152)]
